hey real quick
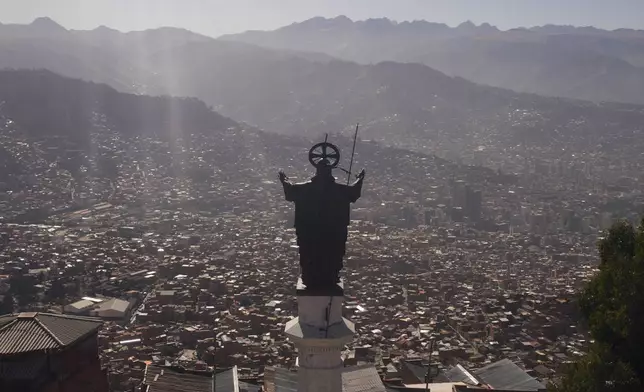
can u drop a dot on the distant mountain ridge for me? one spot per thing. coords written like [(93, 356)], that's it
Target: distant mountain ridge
[(45, 26), (424, 26), (102, 55), (564, 61), (379, 26), (405, 105)]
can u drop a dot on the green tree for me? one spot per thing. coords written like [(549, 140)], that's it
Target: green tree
[(22, 287), (612, 305)]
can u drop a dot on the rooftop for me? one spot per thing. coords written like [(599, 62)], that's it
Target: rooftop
[(161, 379), (362, 378), (25, 332), (506, 375), (114, 304)]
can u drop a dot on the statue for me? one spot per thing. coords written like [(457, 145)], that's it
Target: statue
[(322, 209)]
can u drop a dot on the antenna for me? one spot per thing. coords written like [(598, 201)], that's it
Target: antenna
[(355, 137)]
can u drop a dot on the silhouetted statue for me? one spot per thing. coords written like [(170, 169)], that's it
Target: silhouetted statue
[(322, 210)]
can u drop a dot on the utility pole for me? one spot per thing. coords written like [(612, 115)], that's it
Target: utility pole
[(429, 376)]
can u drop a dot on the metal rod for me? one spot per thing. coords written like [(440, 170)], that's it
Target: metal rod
[(428, 375), (355, 137)]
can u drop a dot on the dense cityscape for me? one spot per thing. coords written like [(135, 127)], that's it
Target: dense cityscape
[(177, 250), (196, 274)]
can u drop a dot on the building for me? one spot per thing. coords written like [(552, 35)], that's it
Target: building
[(50, 352), (79, 307), (503, 375), (105, 308), (363, 378), (172, 379), (112, 309)]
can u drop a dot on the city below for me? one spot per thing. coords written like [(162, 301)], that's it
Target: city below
[(147, 244)]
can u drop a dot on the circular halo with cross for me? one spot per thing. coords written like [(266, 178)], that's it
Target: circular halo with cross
[(324, 155)]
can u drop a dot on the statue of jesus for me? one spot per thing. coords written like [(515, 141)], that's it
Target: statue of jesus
[(322, 215)]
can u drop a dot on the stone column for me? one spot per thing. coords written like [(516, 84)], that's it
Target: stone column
[(320, 333)]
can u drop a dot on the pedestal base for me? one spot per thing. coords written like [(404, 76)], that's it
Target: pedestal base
[(320, 333), (337, 334)]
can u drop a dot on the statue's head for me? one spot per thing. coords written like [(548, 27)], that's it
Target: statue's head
[(324, 171)]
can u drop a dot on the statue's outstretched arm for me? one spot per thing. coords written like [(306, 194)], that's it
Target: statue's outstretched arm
[(290, 191), (360, 178), (356, 188), (283, 178)]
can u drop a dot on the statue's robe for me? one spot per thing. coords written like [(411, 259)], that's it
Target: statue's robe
[(322, 215)]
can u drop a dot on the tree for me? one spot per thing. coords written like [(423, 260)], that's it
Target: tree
[(612, 305), (599, 371), (23, 287)]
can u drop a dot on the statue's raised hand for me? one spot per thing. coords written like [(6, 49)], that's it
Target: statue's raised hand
[(283, 177), (361, 175)]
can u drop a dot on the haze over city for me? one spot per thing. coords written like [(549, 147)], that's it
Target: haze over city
[(355, 196)]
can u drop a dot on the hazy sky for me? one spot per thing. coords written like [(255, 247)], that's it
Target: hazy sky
[(215, 17)]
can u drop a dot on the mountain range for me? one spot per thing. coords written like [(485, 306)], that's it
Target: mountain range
[(563, 61), (294, 92)]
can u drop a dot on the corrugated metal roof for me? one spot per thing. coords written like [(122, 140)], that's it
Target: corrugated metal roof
[(25, 335), (225, 381), (459, 374), (505, 374), (82, 304), (7, 318), (247, 387), (26, 332), (114, 304), (412, 372), (363, 378), (284, 380), (164, 379), (68, 329), (277, 379)]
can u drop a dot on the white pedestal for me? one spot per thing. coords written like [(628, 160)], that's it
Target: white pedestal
[(320, 333)]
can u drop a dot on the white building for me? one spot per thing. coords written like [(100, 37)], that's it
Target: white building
[(112, 309), (105, 308)]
